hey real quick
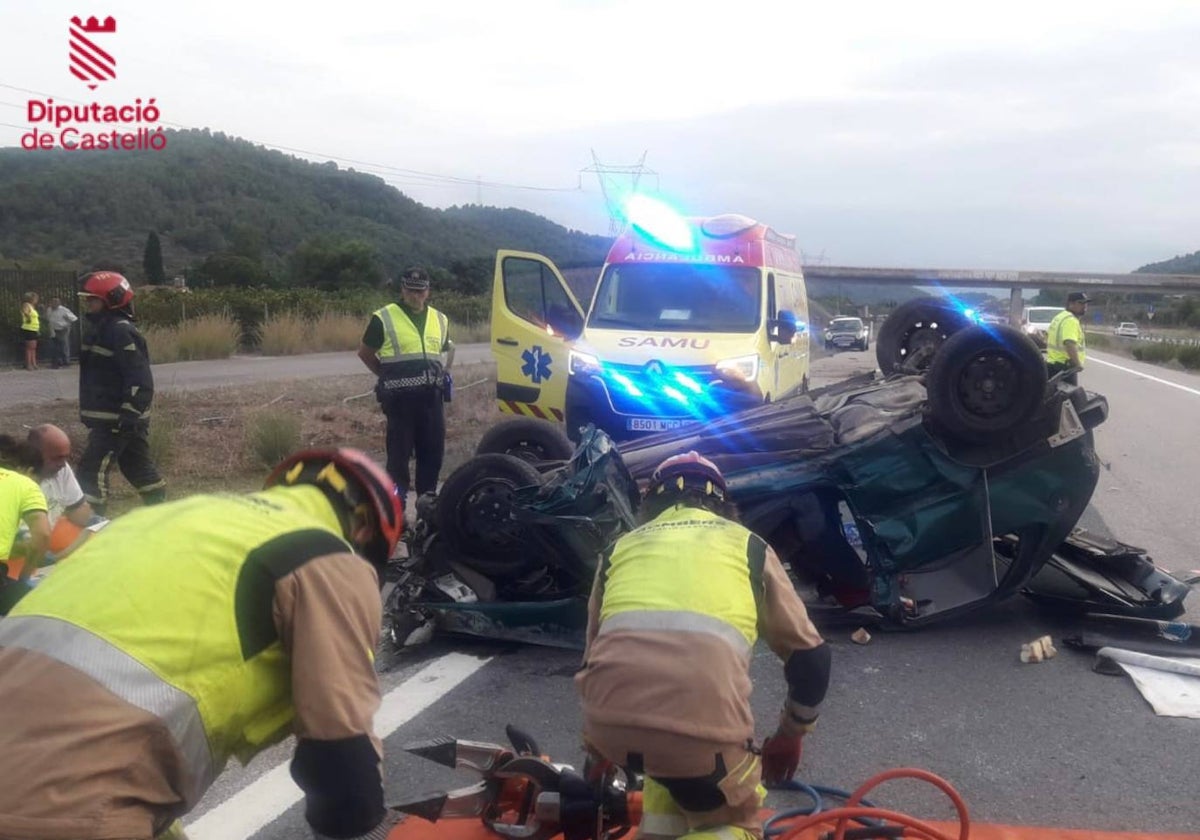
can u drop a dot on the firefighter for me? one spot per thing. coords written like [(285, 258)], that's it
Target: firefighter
[(403, 345), (674, 613), (116, 389), (193, 631)]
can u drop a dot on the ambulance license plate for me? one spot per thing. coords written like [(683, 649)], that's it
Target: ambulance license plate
[(652, 424)]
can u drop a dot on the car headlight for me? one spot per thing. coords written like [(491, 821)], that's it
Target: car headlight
[(742, 367), (583, 364), (828, 335)]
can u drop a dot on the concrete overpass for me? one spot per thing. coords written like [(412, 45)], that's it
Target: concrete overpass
[(1016, 281)]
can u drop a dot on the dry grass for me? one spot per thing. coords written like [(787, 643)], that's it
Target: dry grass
[(480, 333), (206, 337), (271, 434), (290, 334), (202, 438)]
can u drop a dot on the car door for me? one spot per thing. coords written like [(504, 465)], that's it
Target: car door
[(535, 319)]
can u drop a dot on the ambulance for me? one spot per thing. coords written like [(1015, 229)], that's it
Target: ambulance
[(687, 322)]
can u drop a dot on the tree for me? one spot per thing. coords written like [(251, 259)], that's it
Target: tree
[(330, 263), (152, 261), (226, 269)]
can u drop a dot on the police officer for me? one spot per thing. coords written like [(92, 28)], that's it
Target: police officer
[(190, 632), (407, 345), (673, 617), (116, 389), (1066, 344)]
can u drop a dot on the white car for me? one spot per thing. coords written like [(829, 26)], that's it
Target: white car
[(1036, 321), (1127, 329), (844, 333)]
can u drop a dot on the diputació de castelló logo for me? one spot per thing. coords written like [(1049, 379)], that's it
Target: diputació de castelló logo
[(93, 125)]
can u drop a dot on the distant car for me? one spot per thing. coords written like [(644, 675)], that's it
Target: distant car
[(847, 332), (1128, 329), (1036, 320)]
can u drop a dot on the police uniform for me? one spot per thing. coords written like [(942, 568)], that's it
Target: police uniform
[(116, 389), (1064, 327), (410, 389), (180, 636), (675, 612)]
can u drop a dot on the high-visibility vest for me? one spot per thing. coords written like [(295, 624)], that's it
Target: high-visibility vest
[(687, 569), (30, 320), (407, 358), (1060, 326), (171, 609)]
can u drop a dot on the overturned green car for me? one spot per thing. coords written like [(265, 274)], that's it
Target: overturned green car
[(952, 479)]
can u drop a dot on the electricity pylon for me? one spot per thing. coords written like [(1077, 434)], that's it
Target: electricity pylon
[(614, 197)]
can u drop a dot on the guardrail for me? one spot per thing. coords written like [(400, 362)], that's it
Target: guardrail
[(1155, 339)]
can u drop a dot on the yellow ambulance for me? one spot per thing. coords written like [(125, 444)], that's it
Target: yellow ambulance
[(705, 321)]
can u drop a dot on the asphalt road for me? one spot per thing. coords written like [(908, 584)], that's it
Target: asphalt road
[(1049, 744), (46, 385)]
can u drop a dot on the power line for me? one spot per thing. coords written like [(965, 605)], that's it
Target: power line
[(431, 177), (635, 171)]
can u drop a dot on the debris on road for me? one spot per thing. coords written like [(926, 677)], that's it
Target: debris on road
[(860, 636), (1171, 686), (1038, 650)]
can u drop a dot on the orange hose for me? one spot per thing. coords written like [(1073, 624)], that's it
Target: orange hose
[(852, 810)]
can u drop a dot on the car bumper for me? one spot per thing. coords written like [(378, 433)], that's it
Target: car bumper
[(623, 417)]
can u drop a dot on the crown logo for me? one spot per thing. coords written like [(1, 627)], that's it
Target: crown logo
[(94, 25)]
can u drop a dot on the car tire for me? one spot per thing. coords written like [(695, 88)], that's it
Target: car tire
[(912, 334), (985, 382), (472, 512), (528, 438)]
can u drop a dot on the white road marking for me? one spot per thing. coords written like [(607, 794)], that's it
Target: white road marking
[(1147, 376), (272, 793)]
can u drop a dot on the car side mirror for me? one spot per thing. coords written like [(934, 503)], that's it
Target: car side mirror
[(783, 328)]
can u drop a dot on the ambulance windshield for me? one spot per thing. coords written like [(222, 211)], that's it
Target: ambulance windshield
[(678, 297)]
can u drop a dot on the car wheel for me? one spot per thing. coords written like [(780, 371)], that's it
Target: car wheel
[(985, 382), (474, 504), (912, 334), (527, 438)]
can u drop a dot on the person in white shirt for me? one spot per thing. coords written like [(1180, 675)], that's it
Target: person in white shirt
[(61, 320), (69, 511)]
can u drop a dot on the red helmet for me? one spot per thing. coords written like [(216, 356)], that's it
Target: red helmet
[(353, 478), (110, 287), (689, 470)]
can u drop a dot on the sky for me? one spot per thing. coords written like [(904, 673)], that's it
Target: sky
[(1020, 135)]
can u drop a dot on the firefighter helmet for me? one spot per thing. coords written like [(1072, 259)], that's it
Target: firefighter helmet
[(352, 478), (108, 286), (688, 471)]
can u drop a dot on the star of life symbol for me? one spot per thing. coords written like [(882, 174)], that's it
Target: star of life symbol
[(537, 364), (90, 62)]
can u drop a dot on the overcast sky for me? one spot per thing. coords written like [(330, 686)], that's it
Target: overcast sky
[(1046, 135)]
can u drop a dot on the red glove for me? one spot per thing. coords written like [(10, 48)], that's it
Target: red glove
[(780, 758)]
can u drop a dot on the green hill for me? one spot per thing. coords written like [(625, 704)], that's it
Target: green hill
[(208, 194), (1187, 264)]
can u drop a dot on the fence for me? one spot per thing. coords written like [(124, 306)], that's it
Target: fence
[(48, 284)]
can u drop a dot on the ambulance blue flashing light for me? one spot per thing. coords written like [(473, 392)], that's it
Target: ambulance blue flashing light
[(660, 223)]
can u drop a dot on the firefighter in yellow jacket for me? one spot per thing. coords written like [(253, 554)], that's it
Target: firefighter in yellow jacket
[(407, 345), (674, 614), (192, 631)]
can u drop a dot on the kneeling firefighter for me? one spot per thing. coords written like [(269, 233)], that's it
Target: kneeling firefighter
[(192, 631), (674, 613)]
